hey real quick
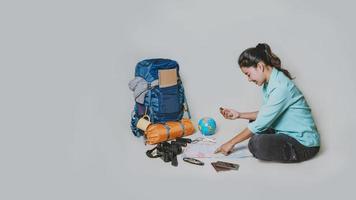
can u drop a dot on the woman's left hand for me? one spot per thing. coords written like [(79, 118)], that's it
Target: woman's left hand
[(225, 148)]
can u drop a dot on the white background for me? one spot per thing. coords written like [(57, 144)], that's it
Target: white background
[(65, 105)]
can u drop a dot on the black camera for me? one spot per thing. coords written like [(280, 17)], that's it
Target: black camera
[(168, 151)]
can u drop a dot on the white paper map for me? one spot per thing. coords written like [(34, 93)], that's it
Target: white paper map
[(206, 150)]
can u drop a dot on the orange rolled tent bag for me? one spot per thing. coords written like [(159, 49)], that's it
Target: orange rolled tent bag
[(156, 133)]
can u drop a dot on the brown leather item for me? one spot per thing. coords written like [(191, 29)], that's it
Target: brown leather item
[(157, 133), (167, 77)]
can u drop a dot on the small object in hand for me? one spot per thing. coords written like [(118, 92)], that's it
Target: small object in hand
[(193, 161), (229, 114)]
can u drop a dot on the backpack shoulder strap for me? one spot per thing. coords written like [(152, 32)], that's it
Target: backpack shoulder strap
[(185, 103)]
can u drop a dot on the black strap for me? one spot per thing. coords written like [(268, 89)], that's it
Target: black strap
[(149, 153), (174, 160)]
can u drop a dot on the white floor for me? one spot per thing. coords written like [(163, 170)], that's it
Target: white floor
[(65, 105)]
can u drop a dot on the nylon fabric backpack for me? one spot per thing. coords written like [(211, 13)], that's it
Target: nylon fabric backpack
[(158, 92)]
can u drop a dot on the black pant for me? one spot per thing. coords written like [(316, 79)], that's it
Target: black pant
[(279, 147)]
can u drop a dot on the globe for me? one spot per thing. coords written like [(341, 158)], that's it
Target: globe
[(207, 126)]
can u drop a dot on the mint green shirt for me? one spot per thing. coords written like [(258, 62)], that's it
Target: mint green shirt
[(285, 110)]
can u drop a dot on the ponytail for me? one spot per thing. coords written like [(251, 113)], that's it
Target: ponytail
[(262, 52)]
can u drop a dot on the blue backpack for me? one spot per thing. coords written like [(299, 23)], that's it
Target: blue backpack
[(158, 93)]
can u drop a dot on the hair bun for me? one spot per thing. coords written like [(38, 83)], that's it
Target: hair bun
[(261, 46)]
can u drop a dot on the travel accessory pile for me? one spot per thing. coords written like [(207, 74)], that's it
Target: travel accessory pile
[(168, 151)]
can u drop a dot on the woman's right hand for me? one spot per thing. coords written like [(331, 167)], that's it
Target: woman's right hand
[(229, 113)]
